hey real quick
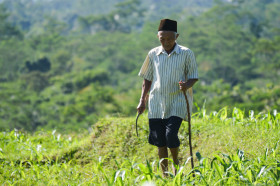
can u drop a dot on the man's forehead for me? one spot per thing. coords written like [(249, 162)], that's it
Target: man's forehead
[(166, 34)]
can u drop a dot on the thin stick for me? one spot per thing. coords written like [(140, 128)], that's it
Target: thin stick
[(136, 124), (190, 132)]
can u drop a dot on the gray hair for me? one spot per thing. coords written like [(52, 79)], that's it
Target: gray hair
[(175, 33)]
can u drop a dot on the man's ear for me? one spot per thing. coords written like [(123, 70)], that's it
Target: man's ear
[(177, 35)]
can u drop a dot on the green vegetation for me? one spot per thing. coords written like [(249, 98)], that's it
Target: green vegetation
[(230, 149), (66, 70), (69, 91)]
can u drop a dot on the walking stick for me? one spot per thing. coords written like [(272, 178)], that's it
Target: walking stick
[(136, 124), (190, 132)]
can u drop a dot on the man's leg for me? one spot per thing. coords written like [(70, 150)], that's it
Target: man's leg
[(175, 152), (157, 138), (163, 153), (173, 142)]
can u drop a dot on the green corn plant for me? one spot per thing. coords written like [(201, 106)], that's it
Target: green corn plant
[(238, 114), (222, 114)]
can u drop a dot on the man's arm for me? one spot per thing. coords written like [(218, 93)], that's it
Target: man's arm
[(145, 89), (186, 85)]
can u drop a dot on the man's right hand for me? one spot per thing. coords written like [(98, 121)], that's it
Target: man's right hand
[(141, 107), (144, 96)]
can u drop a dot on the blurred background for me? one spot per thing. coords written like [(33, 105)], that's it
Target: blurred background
[(64, 64)]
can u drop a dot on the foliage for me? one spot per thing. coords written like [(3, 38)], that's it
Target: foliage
[(127, 17), (42, 65), (230, 149), (7, 30), (92, 72), (31, 15)]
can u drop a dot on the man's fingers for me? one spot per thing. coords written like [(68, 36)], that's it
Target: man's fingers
[(140, 110)]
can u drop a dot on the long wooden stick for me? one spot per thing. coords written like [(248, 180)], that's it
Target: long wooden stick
[(190, 132)]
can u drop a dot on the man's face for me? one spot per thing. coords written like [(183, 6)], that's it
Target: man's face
[(167, 39)]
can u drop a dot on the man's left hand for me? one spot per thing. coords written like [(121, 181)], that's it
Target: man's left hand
[(183, 85), (186, 85)]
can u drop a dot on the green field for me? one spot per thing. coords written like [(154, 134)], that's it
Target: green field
[(230, 150), (69, 88)]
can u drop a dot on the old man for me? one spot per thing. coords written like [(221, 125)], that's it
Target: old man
[(167, 70)]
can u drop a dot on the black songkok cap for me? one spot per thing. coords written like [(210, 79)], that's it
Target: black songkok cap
[(167, 25)]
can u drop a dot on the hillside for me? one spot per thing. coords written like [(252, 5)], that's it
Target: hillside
[(31, 15), (64, 79), (229, 150)]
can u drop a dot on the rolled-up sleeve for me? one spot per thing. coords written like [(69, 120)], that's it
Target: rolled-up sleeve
[(191, 66), (146, 71)]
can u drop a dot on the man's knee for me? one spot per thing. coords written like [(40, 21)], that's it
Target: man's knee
[(172, 141), (164, 148)]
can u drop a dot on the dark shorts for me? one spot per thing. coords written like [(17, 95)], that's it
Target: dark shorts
[(164, 132)]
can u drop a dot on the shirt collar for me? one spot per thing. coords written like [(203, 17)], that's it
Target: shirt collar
[(175, 50)]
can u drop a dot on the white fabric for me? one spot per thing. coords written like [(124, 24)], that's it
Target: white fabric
[(165, 71)]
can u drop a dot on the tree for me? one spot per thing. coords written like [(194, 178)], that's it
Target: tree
[(6, 29), (127, 16), (35, 81), (42, 65)]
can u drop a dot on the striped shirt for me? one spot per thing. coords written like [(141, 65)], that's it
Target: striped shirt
[(165, 71)]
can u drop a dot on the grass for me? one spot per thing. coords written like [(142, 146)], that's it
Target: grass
[(229, 150)]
